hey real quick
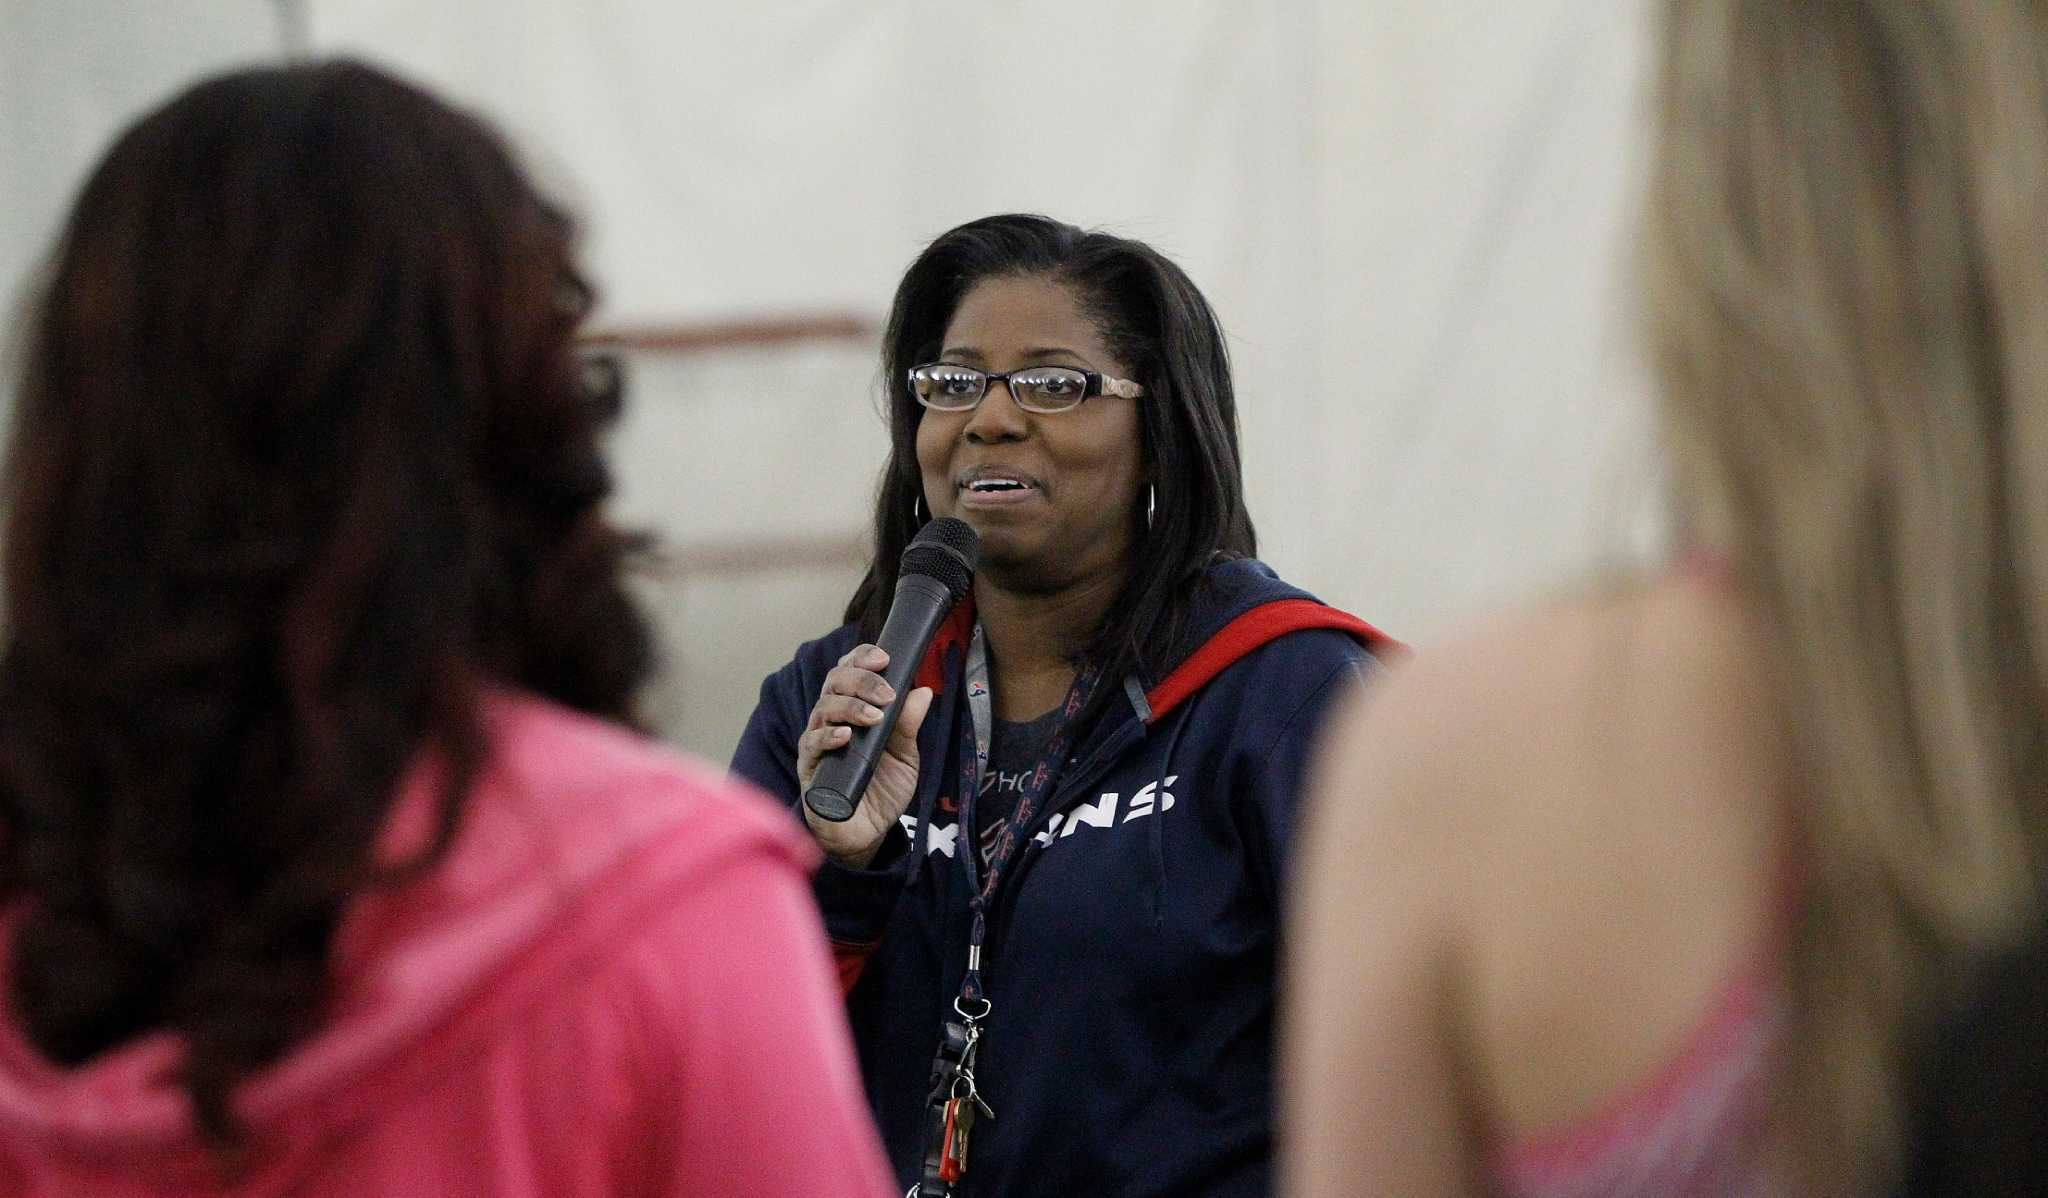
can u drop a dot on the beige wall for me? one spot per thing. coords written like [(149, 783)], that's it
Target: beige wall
[(1410, 215), (72, 73)]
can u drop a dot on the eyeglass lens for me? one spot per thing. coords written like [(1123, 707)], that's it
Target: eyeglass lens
[(1040, 389)]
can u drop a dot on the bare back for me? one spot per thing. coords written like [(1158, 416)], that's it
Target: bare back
[(1542, 854)]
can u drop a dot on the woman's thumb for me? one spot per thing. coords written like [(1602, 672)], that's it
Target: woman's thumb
[(915, 705)]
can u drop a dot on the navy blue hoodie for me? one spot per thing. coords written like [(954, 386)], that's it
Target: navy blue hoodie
[(1132, 943)]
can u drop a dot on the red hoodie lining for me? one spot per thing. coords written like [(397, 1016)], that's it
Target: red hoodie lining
[(1267, 621)]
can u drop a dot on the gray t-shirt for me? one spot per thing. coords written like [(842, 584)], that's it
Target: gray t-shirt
[(1014, 747)]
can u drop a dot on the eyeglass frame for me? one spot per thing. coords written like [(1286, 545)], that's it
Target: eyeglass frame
[(1096, 384)]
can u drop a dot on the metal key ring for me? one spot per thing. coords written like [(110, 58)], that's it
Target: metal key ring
[(986, 1007)]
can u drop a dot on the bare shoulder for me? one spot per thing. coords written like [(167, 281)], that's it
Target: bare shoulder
[(1526, 718), (1482, 696)]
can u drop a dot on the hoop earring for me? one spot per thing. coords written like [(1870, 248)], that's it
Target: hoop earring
[(1151, 503), (917, 507)]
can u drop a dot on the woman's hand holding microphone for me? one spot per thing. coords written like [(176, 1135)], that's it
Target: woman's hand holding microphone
[(853, 696)]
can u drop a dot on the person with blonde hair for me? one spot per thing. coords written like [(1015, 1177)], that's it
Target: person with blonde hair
[(1663, 889)]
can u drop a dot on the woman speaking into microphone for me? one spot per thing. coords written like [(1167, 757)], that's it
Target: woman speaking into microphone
[(1054, 905)]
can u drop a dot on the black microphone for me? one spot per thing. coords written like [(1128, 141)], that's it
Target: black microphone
[(934, 573)]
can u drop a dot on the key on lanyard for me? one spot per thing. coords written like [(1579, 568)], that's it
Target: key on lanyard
[(953, 1145), (955, 1104), (961, 1110)]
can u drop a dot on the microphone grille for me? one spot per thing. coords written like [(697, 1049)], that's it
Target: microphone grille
[(946, 550)]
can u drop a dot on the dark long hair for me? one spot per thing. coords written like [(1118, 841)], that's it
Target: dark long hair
[(1155, 320), (305, 459)]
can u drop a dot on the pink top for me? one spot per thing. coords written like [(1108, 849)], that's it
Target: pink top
[(1694, 1127), (613, 984)]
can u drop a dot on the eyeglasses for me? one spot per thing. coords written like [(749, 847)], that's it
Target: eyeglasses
[(1042, 389)]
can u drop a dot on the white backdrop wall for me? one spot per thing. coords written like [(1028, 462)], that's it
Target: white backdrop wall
[(71, 74), (1411, 216)]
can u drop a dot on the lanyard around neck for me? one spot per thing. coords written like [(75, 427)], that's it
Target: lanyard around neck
[(1037, 787)]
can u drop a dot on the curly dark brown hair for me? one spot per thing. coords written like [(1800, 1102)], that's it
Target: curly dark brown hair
[(305, 459)]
